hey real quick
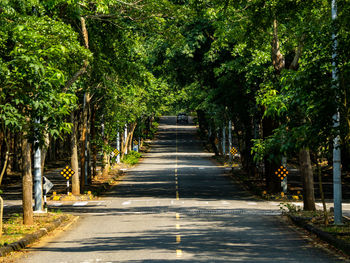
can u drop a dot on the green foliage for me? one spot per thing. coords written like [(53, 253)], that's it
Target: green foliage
[(131, 158), (160, 56), (39, 56)]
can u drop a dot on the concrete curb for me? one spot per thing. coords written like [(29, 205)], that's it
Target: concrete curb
[(31, 238), (329, 238)]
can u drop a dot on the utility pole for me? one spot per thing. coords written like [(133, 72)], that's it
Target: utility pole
[(337, 191), (38, 190)]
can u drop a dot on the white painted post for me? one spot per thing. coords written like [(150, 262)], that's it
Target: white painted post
[(38, 191)]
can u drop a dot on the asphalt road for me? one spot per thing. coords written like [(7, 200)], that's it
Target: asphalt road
[(177, 206)]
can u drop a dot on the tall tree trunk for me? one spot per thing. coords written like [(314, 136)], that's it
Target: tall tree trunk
[(131, 135), (278, 60), (126, 143), (88, 145), (83, 141), (105, 164), (4, 138), (94, 145), (273, 183), (44, 151), (122, 145), (85, 113), (212, 139), (325, 213), (27, 182), (11, 165), (74, 156), (308, 179)]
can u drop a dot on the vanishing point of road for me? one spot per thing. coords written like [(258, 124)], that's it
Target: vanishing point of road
[(178, 206)]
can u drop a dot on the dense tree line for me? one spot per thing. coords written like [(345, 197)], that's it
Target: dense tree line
[(267, 67), (75, 73)]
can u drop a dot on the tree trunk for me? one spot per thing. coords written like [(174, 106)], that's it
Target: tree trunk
[(94, 145), (6, 158), (308, 179), (278, 60), (85, 112), (131, 135), (44, 151), (105, 164), (202, 122), (27, 182), (212, 139), (325, 213), (273, 183), (83, 141), (122, 145), (88, 145), (125, 145), (74, 156)]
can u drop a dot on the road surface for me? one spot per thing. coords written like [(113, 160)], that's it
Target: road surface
[(177, 206)]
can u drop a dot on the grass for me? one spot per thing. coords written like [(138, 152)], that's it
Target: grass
[(344, 229), (14, 230)]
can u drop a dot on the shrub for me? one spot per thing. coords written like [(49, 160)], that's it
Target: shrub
[(131, 158)]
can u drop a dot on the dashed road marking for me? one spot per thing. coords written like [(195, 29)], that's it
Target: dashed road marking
[(80, 203), (177, 215), (126, 203), (177, 226), (178, 253), (178, 239)]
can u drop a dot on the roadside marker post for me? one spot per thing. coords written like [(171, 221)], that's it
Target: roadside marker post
[(116, 152), (282, 173), (233, 151), (67, 173)]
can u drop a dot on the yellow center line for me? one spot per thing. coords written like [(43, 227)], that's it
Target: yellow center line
[(178, 239), (176, 162), (178, 253)]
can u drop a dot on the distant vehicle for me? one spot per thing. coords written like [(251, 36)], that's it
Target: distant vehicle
[(182, 118)]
